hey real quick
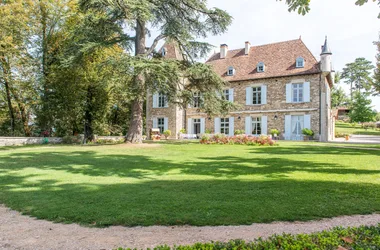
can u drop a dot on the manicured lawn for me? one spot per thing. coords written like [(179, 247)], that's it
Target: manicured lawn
[(346, 128), (189, 183)]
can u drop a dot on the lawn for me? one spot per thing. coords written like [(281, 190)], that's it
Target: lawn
[(176, 183), (347, 128)]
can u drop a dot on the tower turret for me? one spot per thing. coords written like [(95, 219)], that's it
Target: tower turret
[(326, 58)]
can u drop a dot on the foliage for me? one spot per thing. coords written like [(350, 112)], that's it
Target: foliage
[(45, 140), (376, 84), (274, 132), (207, 131), (367, 125), (183, 131), (307, 132), (303, 181), (109, 141), (340, 135), (339, 97), (377, 118), (358, 75), (361, 109), (237, 139), (364, 237), (72, 139), (239, 132), (167, 133), (356, 129)]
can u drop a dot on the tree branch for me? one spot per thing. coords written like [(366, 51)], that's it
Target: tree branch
[(154, 44)]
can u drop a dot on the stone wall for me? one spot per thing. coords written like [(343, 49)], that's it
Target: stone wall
[(17, 141)]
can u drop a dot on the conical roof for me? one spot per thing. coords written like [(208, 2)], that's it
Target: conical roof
[(326, 49)]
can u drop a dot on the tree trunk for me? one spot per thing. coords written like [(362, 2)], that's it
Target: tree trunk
[(135, 130), (6, 73), (23, 111), (88, 130)]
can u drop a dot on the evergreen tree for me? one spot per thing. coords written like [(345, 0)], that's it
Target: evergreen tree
[(376, 83), (358, 75), (338, 97), (361, 109)]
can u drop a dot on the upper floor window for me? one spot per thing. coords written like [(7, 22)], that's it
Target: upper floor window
[(225, 125), (256, 95), (162, 100), (297, 92), (300, 62), (226, 94), (260, 67), (231, 71), (197, 99), (163, 52)]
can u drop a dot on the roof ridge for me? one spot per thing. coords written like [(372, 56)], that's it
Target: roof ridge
[(286, 41)]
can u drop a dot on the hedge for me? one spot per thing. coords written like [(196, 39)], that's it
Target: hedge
[(364, 237)]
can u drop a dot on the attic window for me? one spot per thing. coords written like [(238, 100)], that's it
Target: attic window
[(230, 71), (300, 62), (163, 52), (260, 67)]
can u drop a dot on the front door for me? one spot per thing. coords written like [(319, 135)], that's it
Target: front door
[(197, 126), (297, 126)]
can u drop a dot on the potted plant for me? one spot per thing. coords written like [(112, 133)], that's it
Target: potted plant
[(346, 137), (167, 133), (156, 137), (308, 134), (181, 132), (274, 132)]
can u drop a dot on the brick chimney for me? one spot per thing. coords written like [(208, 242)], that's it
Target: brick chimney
[(247, 47), (223, 50)]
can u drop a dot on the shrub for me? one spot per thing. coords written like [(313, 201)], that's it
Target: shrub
[(167, 133), (307, 132), (237, 139), (239, 132), (45, 140), (109, 141), (183, 131), (364, 237), (208, 131), (340, 135), (71, 139), (368, 125), (274, 132)]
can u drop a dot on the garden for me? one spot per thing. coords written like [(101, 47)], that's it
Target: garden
[(188, 183)]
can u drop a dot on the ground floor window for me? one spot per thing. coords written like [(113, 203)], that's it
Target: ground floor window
[(197, 126), (161, 124), (256, 125), (225, 125), (297, 126)]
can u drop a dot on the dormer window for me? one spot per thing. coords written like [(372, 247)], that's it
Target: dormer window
[(260, 67), (163, 52), (230, 71), (300, 62)]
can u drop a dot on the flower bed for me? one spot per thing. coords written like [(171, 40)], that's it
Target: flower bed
[(237, 139)]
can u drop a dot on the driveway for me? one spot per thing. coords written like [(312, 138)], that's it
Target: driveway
[(370, 139)]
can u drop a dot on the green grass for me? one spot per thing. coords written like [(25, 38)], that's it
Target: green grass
[(192, 184), (347, 128)]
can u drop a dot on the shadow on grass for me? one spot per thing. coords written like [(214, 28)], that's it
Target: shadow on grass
[(206, 202)]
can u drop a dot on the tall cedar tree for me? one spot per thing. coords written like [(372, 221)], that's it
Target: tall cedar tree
[(181, 22), (358, 75), (376, 84)]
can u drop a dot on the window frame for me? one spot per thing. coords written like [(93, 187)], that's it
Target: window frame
[(226, 94), (300, 60), (225, 126), (299, 88), (197, 99), (260, 67), (257, 121), (162, 100), (232, 71), (159, 125), (257, 94)]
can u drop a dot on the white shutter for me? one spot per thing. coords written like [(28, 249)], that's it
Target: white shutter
[(248, 96), (231, 95), (232, 126), (306, 92), (166, 123), (217, 125), (155, 100), (248, 125), (288, 127), (155, 122), (264, 125), (264, 94), (189, 126), (307, 121), (289, 93), (203, 124)]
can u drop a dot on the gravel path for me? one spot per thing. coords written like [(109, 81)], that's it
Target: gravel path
[(23, 232)]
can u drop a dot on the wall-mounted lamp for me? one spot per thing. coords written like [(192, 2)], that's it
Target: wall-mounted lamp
[(275, 117), (209, 119), (239, 118)]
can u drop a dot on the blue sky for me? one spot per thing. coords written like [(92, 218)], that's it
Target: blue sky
[(351, 29)]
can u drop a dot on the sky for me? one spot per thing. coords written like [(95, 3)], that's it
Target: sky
[(350, 29)]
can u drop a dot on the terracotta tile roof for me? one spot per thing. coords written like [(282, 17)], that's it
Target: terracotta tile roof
[(279, 59)]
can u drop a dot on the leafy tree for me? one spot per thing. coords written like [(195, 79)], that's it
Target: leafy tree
[(361, 109), (181, 22), (338, 97), (376, 83), (377, 118), (358, 75)]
